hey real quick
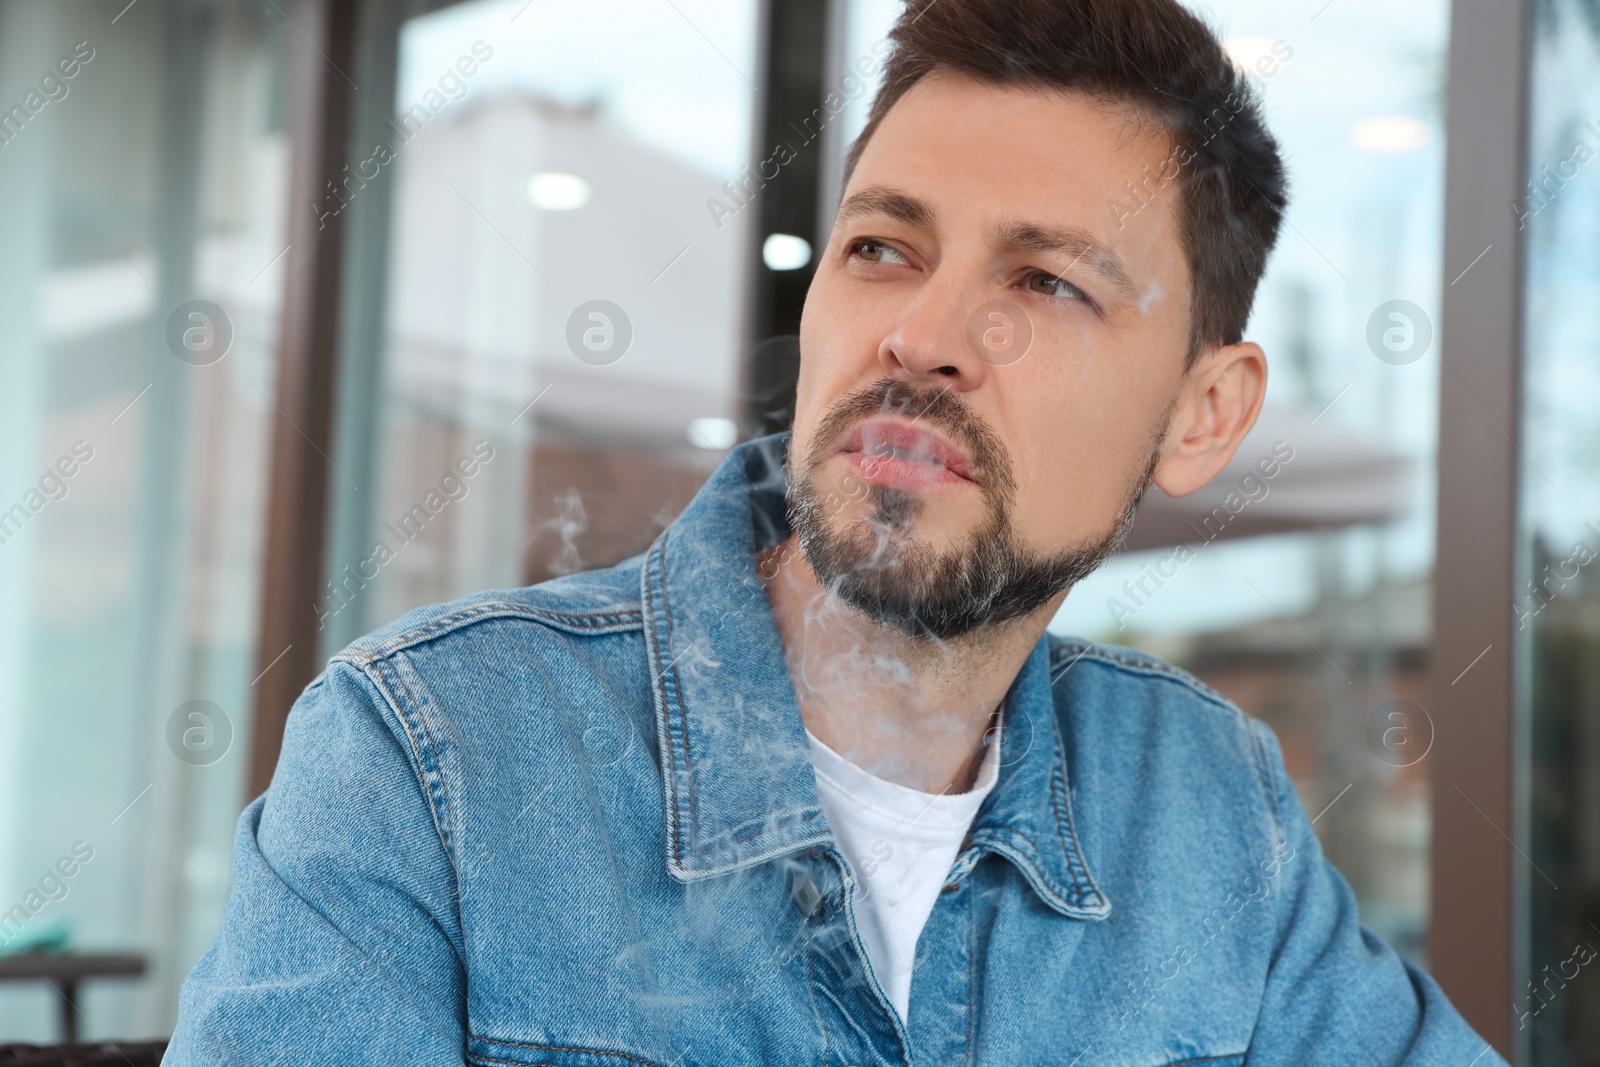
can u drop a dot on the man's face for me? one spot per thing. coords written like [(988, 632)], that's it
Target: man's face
[(928, 445)]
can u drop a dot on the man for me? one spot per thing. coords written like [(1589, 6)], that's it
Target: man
[(808, 783)]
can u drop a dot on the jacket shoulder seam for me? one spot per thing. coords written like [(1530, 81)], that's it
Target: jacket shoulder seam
[(582, 623), (431, 767), (423, 754), (1151, 668)]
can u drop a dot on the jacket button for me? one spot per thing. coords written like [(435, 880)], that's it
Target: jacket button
[(807, 897)]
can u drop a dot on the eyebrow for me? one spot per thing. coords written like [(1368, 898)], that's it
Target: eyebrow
[(881, 200), (1073, 241)]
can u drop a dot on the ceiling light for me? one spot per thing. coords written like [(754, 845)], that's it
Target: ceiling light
[(553, 191), (785, 251), (1389, 134), (714, 433)]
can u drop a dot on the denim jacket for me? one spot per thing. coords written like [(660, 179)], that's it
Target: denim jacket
[(576, 824)]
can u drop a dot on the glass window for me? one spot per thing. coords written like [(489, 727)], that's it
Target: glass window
[(143, 173), (1556, 995), (1303, 595), (558, 308)]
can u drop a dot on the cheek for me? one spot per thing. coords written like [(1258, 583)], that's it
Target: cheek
[(838, 352), (1073, 502), (814, 360), (1077, 449), (1111, 382)]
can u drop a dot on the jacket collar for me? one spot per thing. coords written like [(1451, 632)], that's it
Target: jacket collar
[(737, 775)]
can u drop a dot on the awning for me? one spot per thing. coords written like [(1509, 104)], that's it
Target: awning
[(1332, 478)]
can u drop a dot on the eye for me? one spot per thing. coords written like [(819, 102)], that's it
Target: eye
[(876, 251), (1052, 285)]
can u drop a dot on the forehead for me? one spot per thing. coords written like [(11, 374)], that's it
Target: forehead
[(983, 155)]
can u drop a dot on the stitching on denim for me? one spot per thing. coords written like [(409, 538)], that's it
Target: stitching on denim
[(1153, 667), (1056, 889), (594, 618), (1056, 784), (1206, 1059), (677, 693), (556, 1048), (379, 683), (658, 676), (590, 622), (433, 747), (432, 810), (1083, 886), (1142, 664), (1075, 858)]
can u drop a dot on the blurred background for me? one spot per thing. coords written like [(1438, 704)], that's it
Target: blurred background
[(270, 269)]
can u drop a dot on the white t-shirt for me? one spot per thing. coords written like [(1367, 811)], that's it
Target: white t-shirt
[(901, 843)]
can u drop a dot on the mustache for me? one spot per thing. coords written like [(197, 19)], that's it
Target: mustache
[(942, 409)]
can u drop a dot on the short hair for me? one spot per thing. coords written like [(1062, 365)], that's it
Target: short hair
[(1162, 59)]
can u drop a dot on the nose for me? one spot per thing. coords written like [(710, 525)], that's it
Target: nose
[(929, 345)]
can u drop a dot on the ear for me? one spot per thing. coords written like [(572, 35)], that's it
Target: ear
[(1215, 408)]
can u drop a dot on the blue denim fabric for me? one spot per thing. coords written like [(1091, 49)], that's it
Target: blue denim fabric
[(576, 824)]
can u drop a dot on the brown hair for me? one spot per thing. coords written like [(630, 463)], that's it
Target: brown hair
[(1158, 56)]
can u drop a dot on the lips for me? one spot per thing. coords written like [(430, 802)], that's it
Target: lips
[(903, 455)]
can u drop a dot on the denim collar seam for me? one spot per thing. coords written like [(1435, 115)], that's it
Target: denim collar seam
[(683, 712), (1082, 895), (1047, 888), (725, 854), (658, 684), (1077, 865), (996, 839), (1061, 800), (730, 845)]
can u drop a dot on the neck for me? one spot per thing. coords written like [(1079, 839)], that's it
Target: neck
[(908, 710)]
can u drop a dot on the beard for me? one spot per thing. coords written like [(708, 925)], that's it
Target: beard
[(881, 568)]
